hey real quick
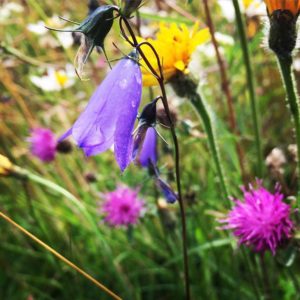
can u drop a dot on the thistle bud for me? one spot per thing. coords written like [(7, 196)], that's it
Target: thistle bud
[(283, 32), (130, 7)]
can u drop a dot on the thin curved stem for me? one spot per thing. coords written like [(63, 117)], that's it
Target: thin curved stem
[(285, 66), (201, 109), (226, 89), (59, 256), (250, 82), (160, 79)]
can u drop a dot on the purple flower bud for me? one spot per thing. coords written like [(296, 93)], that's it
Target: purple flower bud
[(167, 191), (43, 144), (144, 149), (111, 113), (148, 151)]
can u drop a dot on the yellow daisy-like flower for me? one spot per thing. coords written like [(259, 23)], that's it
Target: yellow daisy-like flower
[(291, 5), (174, 45), (5, 165), (247, 3)]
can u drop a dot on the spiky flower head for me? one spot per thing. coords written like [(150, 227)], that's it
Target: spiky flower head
[(175, 45), (43, 144), (261, 220), (122, 207)]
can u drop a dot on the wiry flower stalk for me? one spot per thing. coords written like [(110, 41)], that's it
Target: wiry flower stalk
[(60, 257), (158, 74), (185, 87), (285, 66), (225, 88), (250, 82), (282, 39)]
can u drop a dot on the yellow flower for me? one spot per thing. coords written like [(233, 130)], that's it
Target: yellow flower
[(174, 45), (291, 5), (5, 165), (247, 3)]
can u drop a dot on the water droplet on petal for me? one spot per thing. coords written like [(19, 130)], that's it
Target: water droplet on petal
[(123, 83)]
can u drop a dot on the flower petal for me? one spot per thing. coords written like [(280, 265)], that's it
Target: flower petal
[(130, 91), (148, 152), (95, 127)]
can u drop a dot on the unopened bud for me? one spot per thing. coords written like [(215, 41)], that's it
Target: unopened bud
[(64, 147), (130, 7)]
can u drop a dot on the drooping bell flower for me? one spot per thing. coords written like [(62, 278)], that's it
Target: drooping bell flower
[(144, 149), (94, 28), (111, 113), (283, 17), (162, 185), (166, 190), (148, 152), (43, 144)]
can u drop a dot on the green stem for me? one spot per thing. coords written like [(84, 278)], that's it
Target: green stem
[(24, 175), (201, 109), (250, 82), (285, 65)]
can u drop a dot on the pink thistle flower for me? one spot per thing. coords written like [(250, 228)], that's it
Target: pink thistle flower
[(122, 207), (262, 221), (43, 144)]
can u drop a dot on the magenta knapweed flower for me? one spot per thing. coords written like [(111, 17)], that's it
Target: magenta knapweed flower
[(110, 115), (43, 144), (262, 221), (122, 207)]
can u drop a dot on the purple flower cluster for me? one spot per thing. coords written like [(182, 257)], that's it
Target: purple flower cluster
[(43, 144), (122, 207), (262, 220)]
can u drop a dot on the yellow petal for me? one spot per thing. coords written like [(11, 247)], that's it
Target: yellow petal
[(5, 165), (179, 65)]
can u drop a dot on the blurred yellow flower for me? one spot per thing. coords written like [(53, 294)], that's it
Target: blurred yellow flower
[(5, 165), (291, 5), (247, 3), (174, 45)]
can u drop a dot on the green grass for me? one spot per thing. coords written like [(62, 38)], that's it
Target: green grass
[(145, 262)]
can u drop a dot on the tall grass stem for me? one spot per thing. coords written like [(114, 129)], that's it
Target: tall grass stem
[(60, 257), (285, 65), (251, 88)]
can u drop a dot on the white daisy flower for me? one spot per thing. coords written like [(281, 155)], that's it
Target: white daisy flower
[(65, 38), (55, 80)]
